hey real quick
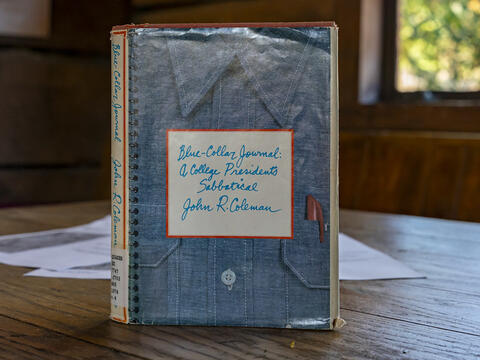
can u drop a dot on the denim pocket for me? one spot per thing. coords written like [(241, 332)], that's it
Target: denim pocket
[(306, 256), (153, 247), (154, 255)]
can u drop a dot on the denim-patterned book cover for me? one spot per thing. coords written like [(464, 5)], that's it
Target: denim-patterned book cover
[(224, 175)]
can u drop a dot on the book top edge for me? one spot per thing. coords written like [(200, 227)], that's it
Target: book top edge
[(224, 25)]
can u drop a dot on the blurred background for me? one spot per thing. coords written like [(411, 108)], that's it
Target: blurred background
[(409, 96)]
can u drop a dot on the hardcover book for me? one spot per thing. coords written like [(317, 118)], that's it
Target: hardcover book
[(224, 175)]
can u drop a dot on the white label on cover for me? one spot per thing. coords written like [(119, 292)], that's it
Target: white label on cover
[(119, 280), (230, 183)]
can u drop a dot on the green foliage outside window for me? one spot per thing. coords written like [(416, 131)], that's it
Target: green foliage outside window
[(438, 45)]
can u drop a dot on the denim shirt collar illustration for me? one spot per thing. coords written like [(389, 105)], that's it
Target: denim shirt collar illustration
[(198, 68), (270, 282)]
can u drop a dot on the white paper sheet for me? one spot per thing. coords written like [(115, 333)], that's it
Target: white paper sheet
[(21, 242), (80, 253), (63, 252), (59, 249), (71, 273), (358, 261)]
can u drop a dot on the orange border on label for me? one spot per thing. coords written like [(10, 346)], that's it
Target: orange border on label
[(233, 236)]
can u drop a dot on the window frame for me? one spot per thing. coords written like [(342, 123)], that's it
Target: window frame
[(388, 90)]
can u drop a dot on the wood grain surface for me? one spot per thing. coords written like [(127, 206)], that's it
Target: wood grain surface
[(433, 318)]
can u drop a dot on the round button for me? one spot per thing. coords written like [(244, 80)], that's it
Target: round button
[(228, 277)]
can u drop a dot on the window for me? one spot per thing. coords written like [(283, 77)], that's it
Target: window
[(431, 49)]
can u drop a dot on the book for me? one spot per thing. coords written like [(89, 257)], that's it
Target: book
[(224, 175)]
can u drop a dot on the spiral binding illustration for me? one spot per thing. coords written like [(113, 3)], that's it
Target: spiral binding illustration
[(133, 189)]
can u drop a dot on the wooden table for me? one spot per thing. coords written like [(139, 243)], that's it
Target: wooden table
[(433, 318)]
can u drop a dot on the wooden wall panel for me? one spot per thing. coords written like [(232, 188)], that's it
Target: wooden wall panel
[(35, 186), (148, 5), (418, 158), (54, 133), (347, 17), (426, 174), (353, 152), (79, 26), (394, 176), (239, 11), (388, 162), (468, 205), (445, 116), (55, 108), (445, 179), (56, 111)]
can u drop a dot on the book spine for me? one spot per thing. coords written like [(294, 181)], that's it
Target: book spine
[(119, 177), (335, 320)]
